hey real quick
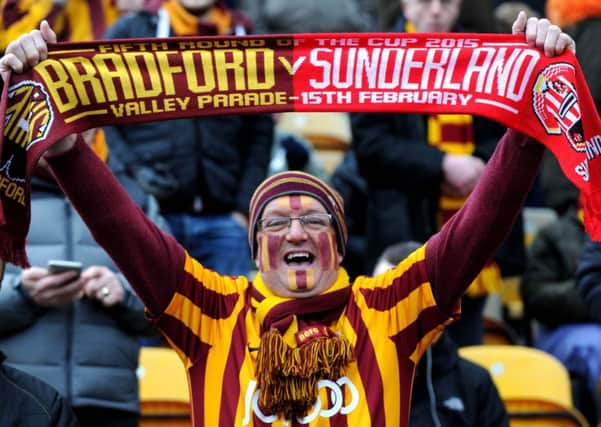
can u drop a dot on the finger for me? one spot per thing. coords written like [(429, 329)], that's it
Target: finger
[(10, 62), (542, 30), (550, 44), (61, 295), (60, 279), (519, 25), (565, 42), (47, 32), (531, 30), (41, 47)]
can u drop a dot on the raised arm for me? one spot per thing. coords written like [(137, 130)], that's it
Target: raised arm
[(456, 254), (151, 260)]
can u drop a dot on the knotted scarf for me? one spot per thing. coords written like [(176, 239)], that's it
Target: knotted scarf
[(297, 350), (117, 82)]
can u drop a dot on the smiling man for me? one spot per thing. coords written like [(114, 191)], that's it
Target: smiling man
[(299, 344)]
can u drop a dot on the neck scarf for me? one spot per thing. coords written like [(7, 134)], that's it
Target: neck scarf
[(93, 84), (217, 21), (297, 347)]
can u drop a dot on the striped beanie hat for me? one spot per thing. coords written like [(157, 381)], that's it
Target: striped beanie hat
[(296, 182)]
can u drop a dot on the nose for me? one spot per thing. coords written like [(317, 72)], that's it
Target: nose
[(296, 231), (435, 6)]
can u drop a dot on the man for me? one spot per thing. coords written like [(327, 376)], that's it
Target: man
[(28, 402), (420, 169), (203, 179), (300, 343)]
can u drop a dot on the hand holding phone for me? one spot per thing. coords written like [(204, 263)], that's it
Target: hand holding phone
[(60, 266)]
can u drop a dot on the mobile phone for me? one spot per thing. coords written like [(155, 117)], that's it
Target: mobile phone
[(56, 266)]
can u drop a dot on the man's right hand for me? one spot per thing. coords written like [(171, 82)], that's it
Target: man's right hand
[(27, 51), (51, 290)]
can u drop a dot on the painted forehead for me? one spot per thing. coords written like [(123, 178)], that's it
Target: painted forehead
[(295, 203)]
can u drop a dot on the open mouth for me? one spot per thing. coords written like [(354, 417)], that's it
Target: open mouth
[(300, 258)]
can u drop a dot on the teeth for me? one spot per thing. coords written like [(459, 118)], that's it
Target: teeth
[(298, 257)]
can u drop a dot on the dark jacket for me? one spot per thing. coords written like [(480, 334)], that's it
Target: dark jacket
[(28, 402), (588, 277), (220, 159), (462, 392), (587, 33), (87, 352), (548, 286), (404, 174)]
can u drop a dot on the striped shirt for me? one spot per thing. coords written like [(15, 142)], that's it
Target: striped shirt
[(389, 319)]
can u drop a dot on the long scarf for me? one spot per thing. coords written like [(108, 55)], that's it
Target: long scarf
[(93, 84), (297, 347)]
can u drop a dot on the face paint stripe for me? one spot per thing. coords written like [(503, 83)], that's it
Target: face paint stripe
[(325, 252), (292, 280), (332, 251), (295, 202), (310, 279), (264, 255), (301, 279), (273, 245)]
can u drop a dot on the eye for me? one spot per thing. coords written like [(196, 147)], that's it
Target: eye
[(317, 220), (276, 223)]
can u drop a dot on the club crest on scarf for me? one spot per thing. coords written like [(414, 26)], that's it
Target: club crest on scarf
[(28, 116), (555, 103), (27, 121)]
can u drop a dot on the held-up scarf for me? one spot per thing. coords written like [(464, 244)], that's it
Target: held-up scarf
[(92, 84), (297, 347)]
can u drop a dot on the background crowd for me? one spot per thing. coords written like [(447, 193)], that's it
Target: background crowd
[(401, 175)]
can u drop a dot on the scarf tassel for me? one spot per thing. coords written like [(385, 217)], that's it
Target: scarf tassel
[(288, 377)]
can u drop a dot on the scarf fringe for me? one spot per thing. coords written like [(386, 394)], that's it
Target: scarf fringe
[(14, 252), (288, 377)]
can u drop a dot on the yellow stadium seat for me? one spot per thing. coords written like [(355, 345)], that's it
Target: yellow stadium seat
[(164, 398), (534, 385)]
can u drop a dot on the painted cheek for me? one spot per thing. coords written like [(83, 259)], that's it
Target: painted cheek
[(268, 252), (327, 253)]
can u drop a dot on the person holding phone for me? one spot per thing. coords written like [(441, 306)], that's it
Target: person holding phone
[(27, 401), (74, 327)]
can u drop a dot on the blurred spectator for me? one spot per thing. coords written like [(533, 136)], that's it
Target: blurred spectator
[(582, 20), (27, 401), (589, 277), (353, 189), (293, 152), (73, 20), (202, 170), (536, 6), (564, 329), (505, 11), (310, 16), (417, 179), (474, 15), (76, 333), (448, 390)]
